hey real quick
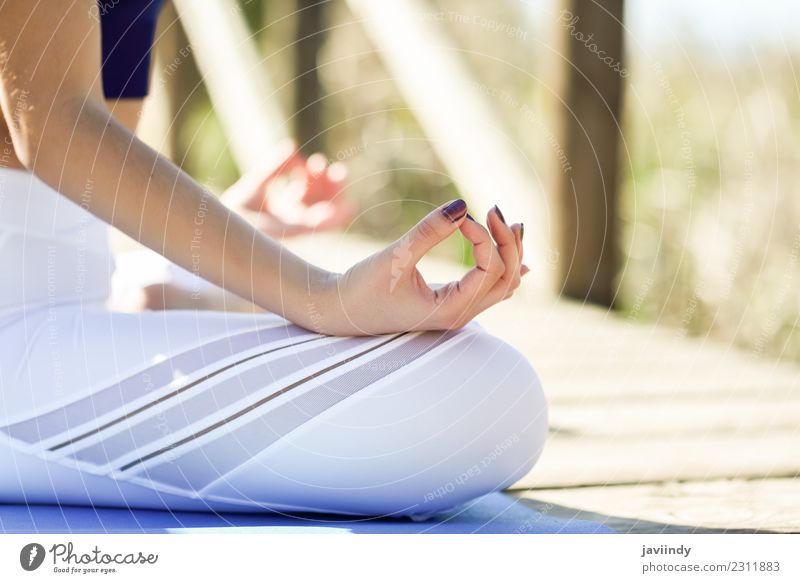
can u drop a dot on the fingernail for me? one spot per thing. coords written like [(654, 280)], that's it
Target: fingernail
[(521, 230), (455, 210), (499, 214), (471, 218)]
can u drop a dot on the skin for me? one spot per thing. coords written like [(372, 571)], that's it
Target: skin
[(61, 128)]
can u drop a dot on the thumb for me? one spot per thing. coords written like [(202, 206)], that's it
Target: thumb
[(434, 228)]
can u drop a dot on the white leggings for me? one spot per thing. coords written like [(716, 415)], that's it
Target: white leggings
[(193, 410)]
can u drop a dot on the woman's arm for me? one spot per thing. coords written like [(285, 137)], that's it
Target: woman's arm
[(63, 132), (51, 97)]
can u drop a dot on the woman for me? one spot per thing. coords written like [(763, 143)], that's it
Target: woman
[(362, 393)]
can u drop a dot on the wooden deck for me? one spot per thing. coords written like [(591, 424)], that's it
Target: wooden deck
[(650, 431)]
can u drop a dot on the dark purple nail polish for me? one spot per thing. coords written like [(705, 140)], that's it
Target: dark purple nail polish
[(521, 231), (471, 218), (455, 210), (499, 214)]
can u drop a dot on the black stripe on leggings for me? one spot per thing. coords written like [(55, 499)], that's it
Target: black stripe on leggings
[(258, 404), (176, 392)]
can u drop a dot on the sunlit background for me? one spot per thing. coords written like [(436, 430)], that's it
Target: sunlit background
[(710, 218)]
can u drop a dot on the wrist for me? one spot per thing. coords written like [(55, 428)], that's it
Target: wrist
[(318, 307)]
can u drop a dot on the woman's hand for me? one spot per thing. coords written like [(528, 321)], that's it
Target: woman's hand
[(291, 195), (385, 292)]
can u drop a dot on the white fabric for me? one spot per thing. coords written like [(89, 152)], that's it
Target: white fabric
[(230, 411)]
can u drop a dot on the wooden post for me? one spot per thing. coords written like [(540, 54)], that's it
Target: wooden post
[(589, 86), (308, 90)]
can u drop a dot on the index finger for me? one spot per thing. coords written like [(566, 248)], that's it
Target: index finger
[(466, 294)]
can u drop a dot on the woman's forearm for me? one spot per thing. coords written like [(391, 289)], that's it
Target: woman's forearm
[(97, 163)]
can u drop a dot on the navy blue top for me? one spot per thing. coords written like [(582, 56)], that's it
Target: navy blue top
[(127, 30)]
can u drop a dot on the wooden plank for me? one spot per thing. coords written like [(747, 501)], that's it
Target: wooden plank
[(666, 419), (769, 505), (684, 383), (569, 462)]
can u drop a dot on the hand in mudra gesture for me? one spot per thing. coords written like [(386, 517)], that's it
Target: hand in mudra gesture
[(291, 195), (386, 293)]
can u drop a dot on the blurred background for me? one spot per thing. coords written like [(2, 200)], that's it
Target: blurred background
[(705, 228)]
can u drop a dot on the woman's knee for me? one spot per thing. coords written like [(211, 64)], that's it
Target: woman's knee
[(515, 410), (497, 421)]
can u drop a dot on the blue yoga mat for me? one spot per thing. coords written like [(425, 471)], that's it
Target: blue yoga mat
[(491, 514)]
